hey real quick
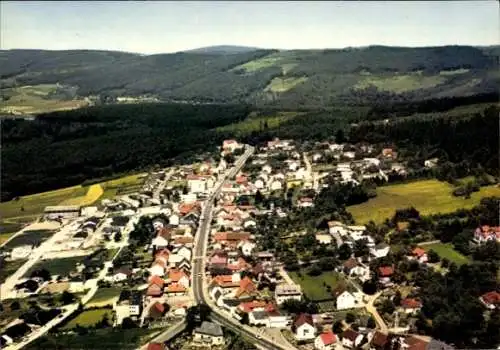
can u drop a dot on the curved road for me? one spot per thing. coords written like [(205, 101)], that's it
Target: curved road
[(199, 266)]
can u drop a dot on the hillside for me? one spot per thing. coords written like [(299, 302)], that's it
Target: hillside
[(223, 49), (291, 79)]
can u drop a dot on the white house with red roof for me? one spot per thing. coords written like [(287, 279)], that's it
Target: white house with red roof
[(487, 233), (325, 341), (419, 254), (303, 327), (491, 299), (230, 145)]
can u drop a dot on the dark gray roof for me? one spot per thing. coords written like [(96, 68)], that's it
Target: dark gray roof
[(438, 345), (259, 315), (209, 328)]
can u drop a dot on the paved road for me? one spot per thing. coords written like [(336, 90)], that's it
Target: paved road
[(167, 335), (200, 293)]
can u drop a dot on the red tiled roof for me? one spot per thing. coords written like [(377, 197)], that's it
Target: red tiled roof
[(379, 339), (246, 286), (350, 334), (175, 288), (411, 303), (492, 298), (249, 306), (156, 280), (175, 275), (415, 343), (418, 252), (185, 208), (154, 290), (328, 338), (156, 346), (303, 319), (158, 307), (386, 271)]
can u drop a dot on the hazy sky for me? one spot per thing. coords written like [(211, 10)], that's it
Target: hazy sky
[(151, 27)]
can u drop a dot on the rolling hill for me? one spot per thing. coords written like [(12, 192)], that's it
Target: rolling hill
[(228, 74)]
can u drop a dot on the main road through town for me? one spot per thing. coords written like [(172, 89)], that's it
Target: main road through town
[(200, 294)]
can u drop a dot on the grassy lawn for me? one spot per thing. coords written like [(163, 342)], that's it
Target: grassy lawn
[(400, 83), (427, 196), (61, 266), (123, 185), (33, 99), (313, 287), (284, 84), (8, 268), (35, 204), (5, 236), (255, 123), (34, 237), (104, 296), (445, 250), (89, 318)]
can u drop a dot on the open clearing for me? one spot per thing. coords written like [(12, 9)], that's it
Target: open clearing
[(93, 194), (104, 296), (89, 318), (427, 196), (34, 237), (445, 250), (61, 266), (400, 83), (313, 287), (36, 99), (284, 84), (256, 123), (25, 209), (260, 63), (123, 185)]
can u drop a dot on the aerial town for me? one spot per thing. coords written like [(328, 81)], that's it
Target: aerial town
[(233, 234)]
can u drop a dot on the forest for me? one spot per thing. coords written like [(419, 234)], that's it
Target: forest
[(66, 148)]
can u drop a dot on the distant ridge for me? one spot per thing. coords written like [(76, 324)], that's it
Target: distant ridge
[(223, 49)]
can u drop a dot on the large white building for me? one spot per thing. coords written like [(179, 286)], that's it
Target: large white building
[(287, 292)]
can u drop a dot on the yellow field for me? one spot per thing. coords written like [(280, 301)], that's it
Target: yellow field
[(427, 196), (93, 194)]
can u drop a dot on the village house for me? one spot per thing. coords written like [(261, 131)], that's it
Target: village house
[(345, 299), (411, 305), (209, 334), (324, 238), (303, 327), (305, 202), (129, 304), (179, 277), (353, 268), (380, 250), (491, 299), (246, 289), (175, 289), (487, 233), (21, 252), (351, 338), (286, 292), (246, 247), (384, 275), (121, 274), (155, 287), (325, 341), (378, 341), (419, 254)]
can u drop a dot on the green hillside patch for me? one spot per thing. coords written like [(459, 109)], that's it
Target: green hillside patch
[(34, 99), (257, 123), (104, 296), (427, 196), (284, 84), (400, 83), (454, 72), (445, 250), (259, 64)]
